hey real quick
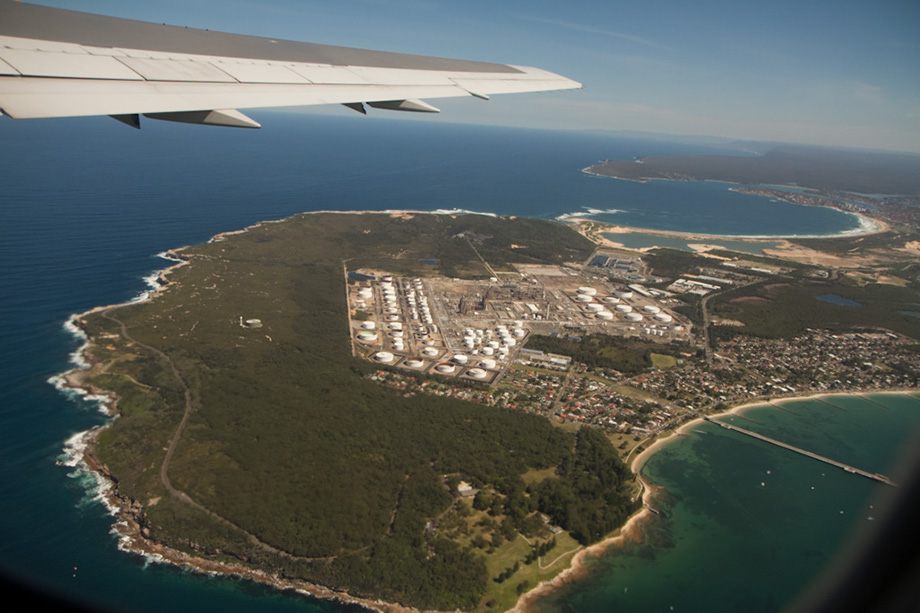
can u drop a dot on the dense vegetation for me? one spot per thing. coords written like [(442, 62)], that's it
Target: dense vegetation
[(591, 496), (287, 441), (787, 308), (628, 355), (672, 263)]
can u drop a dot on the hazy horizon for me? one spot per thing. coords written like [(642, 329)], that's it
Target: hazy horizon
[(818, 74)]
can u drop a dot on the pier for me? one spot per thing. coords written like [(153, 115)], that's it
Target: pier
[(805, 452)]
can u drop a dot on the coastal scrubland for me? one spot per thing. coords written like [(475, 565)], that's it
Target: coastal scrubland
[(629, 356), (787, 307), (880, 290), (270, 447)]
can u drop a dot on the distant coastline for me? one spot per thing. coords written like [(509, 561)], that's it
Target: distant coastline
[(857, 172)]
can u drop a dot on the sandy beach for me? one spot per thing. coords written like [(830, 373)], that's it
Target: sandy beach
[(585, 225), (704, 244)]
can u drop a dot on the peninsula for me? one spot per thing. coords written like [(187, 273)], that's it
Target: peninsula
[(250, 441), (409, 410), (882, 185)]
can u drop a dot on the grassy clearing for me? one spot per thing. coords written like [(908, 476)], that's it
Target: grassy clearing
[(502, 596), (532, 477), (663, 361)]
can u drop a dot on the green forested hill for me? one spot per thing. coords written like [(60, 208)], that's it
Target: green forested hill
[(294, 461)]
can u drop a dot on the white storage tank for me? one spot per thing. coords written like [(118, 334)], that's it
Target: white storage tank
[(384, 357)]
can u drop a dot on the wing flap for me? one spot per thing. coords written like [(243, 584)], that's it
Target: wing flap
[(397, 76), (66, 65), (6, 69), (176, 70), (328, 75), (260, 72)]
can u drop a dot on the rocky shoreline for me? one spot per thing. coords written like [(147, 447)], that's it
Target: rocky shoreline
[(132, 538)]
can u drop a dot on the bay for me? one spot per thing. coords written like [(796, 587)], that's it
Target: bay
[(745, 525), (87, 204)]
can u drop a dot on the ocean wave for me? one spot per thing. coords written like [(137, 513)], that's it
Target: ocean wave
[(59, 381), (166, 255), (588, 212), (154, 280), (76, 358), (461, 212), (96, 488)]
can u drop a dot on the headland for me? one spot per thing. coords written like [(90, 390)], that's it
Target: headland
[(216, 422)]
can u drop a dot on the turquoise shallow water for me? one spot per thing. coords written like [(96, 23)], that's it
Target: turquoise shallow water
[(745, 525)]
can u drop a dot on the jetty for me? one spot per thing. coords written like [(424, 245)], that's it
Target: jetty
[(805, 452)]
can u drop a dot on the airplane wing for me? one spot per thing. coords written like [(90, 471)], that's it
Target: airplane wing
[(61, 63)]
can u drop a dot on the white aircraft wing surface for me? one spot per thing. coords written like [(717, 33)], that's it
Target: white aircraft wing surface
[(60, 63)]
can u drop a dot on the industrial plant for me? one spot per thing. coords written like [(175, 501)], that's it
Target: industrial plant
[(475, 329)]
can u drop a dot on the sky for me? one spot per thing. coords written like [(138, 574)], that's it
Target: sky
[(825, 72)]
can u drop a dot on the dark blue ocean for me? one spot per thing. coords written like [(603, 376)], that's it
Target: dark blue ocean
[(86, 204)]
